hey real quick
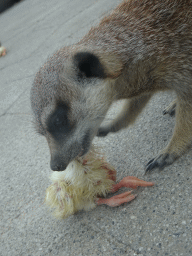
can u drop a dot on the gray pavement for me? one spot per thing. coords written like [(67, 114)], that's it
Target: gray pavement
[(158, 222)]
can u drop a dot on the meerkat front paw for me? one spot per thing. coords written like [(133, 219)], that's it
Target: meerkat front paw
[(170, 109), (161, 161), (103, 131)]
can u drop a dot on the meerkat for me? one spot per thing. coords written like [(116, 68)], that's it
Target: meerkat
[(140, 48)]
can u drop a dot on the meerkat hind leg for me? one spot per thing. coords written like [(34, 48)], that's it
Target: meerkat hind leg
[(130, 112), (181, 139)]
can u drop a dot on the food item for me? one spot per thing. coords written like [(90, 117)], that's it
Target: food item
[(84, 181)]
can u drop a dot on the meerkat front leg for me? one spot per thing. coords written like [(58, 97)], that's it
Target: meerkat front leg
[(181, 139), (130, 112)]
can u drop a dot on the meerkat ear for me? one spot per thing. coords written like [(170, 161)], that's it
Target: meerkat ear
[(89, 65)]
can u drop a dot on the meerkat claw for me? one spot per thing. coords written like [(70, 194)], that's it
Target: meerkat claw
[(151, 165), (170, 109), (160, 162)]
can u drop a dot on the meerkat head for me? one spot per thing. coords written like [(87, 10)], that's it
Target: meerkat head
[(70, 97)]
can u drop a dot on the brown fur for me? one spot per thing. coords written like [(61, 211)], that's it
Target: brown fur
[(142, 47)]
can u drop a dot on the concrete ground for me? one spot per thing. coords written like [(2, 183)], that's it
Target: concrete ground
[(158, 222)]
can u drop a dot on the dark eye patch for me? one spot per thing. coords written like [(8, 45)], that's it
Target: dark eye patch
[(58, 122)]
